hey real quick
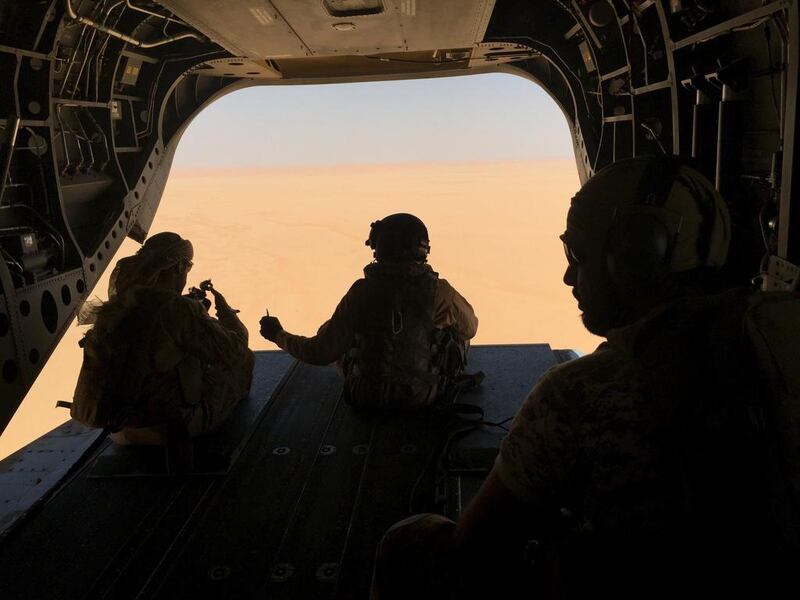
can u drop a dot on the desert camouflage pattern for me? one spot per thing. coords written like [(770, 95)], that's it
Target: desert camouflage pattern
[(643, 456), (383, 369), (182, 366), (337, 335), (606, 451), (599, 435), (586, 440), (153, 357)]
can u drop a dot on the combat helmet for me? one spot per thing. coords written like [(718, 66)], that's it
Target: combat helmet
[(400, 236)]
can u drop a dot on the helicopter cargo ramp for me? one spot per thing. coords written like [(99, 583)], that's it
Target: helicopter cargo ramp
[(287, 500)]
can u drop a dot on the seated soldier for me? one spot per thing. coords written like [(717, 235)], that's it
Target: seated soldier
[(631, 472), (399, 332), (155, 361)]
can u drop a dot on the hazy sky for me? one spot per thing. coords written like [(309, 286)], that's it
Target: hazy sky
[(478, 117)]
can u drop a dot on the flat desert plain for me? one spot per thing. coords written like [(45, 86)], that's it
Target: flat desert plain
[(291, 240)]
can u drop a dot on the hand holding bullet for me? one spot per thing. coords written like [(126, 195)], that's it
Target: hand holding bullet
[(270, 327)]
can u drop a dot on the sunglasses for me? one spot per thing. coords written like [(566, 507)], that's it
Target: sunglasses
[(572, 257)]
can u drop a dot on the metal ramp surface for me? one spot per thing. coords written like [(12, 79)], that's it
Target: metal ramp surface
[(298, 514)]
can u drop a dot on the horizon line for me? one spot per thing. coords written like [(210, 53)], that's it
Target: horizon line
[(376, 164)]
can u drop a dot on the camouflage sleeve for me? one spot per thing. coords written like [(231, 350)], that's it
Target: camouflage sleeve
[(537, 458), (453, 310), (228, 319), (196, 333), (333, 339)]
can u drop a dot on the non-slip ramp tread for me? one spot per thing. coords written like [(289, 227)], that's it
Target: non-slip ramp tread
[(301, 514), (231, 548), (402, 449), (511, 372), (30, 474), (298, 514), (315, 536), (405, 449)]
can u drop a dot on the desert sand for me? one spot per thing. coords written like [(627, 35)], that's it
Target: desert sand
[(292, 240)]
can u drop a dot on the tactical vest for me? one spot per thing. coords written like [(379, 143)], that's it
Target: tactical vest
[(394, 362)]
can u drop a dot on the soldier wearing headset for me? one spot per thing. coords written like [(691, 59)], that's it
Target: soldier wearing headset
[(611, 482)]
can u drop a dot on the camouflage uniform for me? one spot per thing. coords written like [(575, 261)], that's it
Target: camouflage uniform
[(606, 450), (336, 335), (348, 336), (154, 357), (181, 365)]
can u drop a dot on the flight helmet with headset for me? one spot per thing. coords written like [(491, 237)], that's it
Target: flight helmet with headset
[(663, 216), (400, 236)]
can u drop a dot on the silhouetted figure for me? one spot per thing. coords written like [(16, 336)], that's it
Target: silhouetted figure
[(400, 333), (155, 360), (662, 464)]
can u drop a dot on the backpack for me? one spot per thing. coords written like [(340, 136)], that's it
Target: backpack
[(400, 358), (111, 373)]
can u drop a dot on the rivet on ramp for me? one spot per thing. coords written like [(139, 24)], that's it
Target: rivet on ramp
[(328, 572), (281, 450), (219, 572), (281, 572), (327, 449), (361, 449)]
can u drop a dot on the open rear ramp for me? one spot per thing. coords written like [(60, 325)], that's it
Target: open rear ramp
[(309, 489)]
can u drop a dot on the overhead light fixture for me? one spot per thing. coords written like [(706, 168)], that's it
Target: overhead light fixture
[(344, 26), (353, 8)]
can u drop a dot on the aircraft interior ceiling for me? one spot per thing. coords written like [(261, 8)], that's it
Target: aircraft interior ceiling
[(95, 94)]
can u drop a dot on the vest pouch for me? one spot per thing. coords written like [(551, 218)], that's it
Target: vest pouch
[(449, 353), (94, 402), (190, 376), (88, 407)]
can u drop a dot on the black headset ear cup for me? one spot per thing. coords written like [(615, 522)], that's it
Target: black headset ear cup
[(638, 248)]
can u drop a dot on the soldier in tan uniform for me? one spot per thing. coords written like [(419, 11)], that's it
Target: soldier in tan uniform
[(623, 475), (155, 360), (395, 331)]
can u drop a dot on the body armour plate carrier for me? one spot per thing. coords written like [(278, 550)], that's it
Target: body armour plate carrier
[(395, 362)]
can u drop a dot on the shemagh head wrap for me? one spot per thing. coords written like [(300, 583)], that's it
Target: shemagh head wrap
[(158, 254)]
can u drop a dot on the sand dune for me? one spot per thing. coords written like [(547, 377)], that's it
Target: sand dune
[(292, 240)]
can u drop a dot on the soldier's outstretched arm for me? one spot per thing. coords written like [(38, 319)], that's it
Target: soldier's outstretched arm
[(227, 316), (332, 340)]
